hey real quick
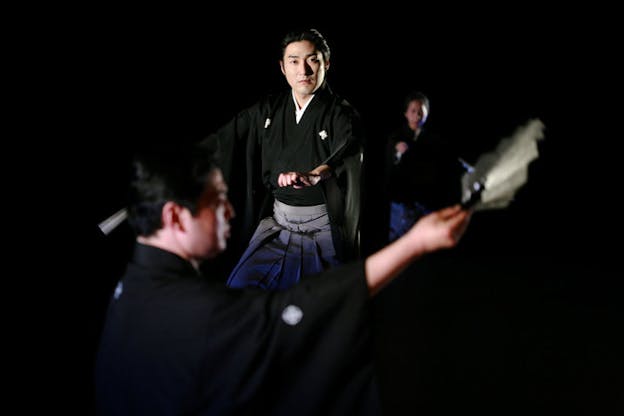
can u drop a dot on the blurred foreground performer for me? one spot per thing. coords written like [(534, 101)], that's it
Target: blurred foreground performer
[(177, 341)]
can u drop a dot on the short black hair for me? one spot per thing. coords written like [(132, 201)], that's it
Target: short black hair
[(311, 35), (166, 172)]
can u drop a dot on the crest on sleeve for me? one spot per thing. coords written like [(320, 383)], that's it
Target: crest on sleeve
[(292, 315)]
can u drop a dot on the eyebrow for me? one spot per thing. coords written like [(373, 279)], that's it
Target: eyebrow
[(306, 56)]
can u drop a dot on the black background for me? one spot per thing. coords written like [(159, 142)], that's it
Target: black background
[(524, 314)]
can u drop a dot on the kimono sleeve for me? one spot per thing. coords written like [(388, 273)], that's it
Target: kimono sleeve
[(348, 138), (324, 343), (230, 141)]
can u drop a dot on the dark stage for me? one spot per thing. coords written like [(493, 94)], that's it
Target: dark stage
[(523, 315)]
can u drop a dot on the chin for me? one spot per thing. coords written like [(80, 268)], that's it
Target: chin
[(305, 90)]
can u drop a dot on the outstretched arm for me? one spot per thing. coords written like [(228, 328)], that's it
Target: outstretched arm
[(439, 230)]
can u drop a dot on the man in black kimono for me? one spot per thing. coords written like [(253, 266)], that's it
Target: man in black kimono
[(177, 341), (294, 160), (422, 172)]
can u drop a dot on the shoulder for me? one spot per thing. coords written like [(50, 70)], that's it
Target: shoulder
[(273, 100), (342, 109), (337, 102), (265, 106)]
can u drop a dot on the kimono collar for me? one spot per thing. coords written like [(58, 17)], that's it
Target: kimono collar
[(156, 258), (299, 111)]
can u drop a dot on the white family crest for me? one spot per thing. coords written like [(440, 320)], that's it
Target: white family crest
[(292, 315)]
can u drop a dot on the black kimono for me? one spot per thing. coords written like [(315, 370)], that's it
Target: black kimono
[(427, 177), (428, 172), (175, 343), (252, 145)]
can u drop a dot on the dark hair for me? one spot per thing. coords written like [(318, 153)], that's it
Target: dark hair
[(311, 35), (173, 172)]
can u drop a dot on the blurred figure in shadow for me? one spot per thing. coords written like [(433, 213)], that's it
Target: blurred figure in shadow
[(422, 172)]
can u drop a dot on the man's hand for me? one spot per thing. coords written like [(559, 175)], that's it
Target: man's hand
[(298, 180)]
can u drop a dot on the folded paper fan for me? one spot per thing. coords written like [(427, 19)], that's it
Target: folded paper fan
[(496, 176)]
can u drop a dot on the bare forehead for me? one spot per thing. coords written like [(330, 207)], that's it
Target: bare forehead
[(301, 49), (415, 105)]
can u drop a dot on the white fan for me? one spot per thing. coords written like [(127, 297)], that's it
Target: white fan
[(496, 176)]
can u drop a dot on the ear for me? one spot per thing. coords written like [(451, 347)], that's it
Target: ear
[(281, 63), (327, 65), (170, 216)]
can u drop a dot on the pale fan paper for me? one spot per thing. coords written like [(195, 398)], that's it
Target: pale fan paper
[(499, 174)]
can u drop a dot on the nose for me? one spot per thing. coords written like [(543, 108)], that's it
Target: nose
[(305, 68), (229, 211)]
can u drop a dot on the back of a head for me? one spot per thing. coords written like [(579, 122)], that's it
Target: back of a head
[(311, 35), (166, 172)]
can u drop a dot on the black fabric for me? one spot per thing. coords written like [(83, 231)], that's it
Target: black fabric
[(176, 342), (251, 145), (428, 173), (293, 146)]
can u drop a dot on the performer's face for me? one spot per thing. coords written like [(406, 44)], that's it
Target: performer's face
[(209, 229), (304, 67), (415, 114)]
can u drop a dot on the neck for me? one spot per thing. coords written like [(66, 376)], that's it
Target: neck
[(302, 100)]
